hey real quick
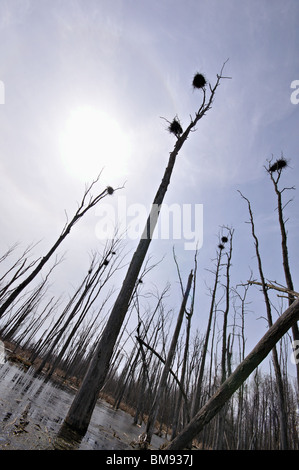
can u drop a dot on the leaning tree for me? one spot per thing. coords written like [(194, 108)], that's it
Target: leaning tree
[(88, 202), (80, 412), (237, 378)]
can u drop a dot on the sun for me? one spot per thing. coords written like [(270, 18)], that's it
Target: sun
[(90, 142)]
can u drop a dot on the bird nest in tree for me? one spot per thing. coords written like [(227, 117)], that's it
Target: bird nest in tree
[(278, 165), (175, 127), (199, 81)]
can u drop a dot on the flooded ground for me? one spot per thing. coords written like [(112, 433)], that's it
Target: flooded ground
[(32, 411)]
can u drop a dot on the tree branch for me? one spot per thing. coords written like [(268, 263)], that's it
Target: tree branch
[(272, 286)]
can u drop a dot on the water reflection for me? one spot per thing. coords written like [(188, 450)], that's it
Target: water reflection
[(32, 412), (67, 439)]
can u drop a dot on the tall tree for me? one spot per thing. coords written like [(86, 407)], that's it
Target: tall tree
[(189, 314), (237, 378), (225, 348), (81, 410), (82, 209), (94, 281), (197, 393), (162, 383), (275, 171), (277, 369)]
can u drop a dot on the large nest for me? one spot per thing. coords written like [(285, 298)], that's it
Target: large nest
[(199, 81), (110, 190), (278, 165), (175, 127)]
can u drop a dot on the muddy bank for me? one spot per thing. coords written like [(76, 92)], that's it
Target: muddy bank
[(32, 411)]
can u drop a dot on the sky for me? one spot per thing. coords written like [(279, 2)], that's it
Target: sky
[(90, 85)]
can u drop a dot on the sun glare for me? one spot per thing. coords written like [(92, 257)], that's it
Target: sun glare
[(91, 142)]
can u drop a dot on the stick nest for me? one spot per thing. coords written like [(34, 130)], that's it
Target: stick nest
[(110, 190), (199, 81), (175, 127), (278, 165)]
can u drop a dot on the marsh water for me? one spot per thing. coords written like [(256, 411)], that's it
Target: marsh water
[(32, 411)]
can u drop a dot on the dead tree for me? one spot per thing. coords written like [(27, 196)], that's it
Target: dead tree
[(144, 375), (146, 359), (227, 307), (16, 271), (280, 164), (198, 389), (277, 369), (241, 336), (163, 361), (27, 337), (156, 404), (189, 314), (225, 349), (237, 378), (94, 281), (26, 310), (84, 206), (81, 410)]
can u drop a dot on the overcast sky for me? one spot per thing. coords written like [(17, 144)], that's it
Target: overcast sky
[(82, 77)]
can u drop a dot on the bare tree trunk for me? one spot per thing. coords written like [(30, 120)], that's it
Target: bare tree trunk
[(83, 208), (81, 410), (31, 303), (285, 256), (144, 373), (197, 393), (155, 406), (280, 388), (226, 311), (242, 391), (182, 379), (142, 381), (224, 340), (186, 349), (241, 373), (142, 343), (19, 267), (91, 282)]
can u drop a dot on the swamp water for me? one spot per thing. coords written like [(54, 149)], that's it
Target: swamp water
[(32, 411)]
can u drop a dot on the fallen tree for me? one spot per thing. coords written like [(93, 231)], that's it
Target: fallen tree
[(236, 379)]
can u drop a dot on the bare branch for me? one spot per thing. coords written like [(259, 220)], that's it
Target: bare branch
[(272, 286), (82, 209)]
